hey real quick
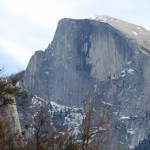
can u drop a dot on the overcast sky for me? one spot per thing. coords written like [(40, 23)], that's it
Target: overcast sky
[(29, 25)]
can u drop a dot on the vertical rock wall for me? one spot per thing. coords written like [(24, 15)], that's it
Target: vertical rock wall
[(107, 60), (81, 53)]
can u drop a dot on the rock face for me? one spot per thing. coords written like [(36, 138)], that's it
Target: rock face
[(10, 125), (82, 52), (104, 56)]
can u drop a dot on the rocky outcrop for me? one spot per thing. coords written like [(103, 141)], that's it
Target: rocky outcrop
[(102, 56), (10, 128)]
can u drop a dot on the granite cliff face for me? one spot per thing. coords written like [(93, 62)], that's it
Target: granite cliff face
[(103, 56), (81, 53)]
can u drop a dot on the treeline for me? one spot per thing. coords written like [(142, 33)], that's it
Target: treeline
[(37, 132)]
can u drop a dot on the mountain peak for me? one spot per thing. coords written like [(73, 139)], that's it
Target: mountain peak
[(131, 30), (105, 57)]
